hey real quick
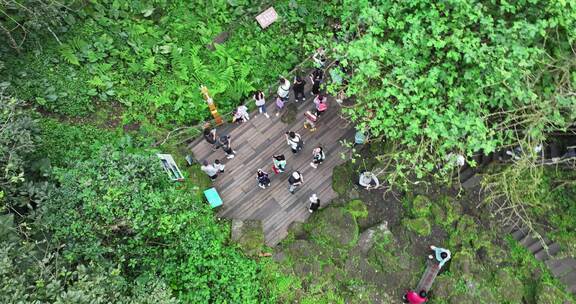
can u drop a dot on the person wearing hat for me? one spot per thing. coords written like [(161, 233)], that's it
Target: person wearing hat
[(314, 203), (295, 180)]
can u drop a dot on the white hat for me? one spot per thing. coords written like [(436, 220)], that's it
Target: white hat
[(296, 175), (313, 198)]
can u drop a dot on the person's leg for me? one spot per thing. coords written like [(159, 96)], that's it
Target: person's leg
[(291, 189)]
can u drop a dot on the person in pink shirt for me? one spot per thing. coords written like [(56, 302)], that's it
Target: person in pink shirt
[(415, 298)]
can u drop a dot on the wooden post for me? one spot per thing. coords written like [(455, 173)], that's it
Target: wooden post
[(211, 105)]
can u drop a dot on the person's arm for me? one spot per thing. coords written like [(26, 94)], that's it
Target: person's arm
[(376, 181)]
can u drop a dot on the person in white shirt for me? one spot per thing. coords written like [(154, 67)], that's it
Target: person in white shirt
[(284, 89), (210, 170), (219, 166), (368, 180), (295, 142), (242, 111)]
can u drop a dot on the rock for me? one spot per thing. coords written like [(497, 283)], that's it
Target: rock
[(249, 235), (547, 293), (462, 262), (357, 208), (297, 229), (368, 237), (443, 286), (510, 288), (236, 229), (279, 257), (421, 206), (438, 214), (342, 178), (420, 226), (335, 227), (353, 194)]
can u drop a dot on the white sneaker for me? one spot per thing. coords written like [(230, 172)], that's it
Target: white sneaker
[(313, 165), (266, 114), (262, 186), (277, 113), (230, 156), (310, 210)]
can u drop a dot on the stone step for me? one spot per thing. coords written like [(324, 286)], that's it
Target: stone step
[(519, 234), (544, 255), (472, 182), (570, 281), (559, 267), (528, 240), (539, 245)]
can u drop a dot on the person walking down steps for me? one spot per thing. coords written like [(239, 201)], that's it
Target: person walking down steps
[(295, 180), (295, 141), (314, 203), (283, 89), (318, 157), (279, 163), (210, 170), (261, 103), (263, 179)]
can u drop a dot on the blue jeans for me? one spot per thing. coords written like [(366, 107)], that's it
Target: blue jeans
[(262, 108)]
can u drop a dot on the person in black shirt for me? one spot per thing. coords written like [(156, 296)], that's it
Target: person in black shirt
[(295, 180), (298, 88), (316, 78), (314, 203)]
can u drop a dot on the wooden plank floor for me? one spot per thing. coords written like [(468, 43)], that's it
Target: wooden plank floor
[(255, 142)]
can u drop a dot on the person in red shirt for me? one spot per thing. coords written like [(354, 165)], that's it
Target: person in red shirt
[(415, 298)]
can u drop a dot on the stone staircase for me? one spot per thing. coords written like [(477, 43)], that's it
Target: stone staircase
[(545, 250)]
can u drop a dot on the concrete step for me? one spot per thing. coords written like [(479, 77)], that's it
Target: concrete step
[(466, 174), (559, 267), (544, 255)]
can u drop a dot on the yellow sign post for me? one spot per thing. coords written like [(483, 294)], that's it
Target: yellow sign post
[(211, 105)]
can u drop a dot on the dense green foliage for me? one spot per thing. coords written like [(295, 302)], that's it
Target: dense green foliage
[(457, 76), (151, 56), (121, 210)]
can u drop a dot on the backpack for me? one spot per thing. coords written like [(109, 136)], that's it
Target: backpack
[(322, 107)]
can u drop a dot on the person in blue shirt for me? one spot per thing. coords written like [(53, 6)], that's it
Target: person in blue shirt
[(442, 255)]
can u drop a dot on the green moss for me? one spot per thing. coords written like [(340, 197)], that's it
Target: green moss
[(421, 226), (509, 288), (357, 208), (342, 178), (333, 227), (421, 206), (252, 240)]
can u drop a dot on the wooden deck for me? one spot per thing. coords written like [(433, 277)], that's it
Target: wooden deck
[(255, 142)]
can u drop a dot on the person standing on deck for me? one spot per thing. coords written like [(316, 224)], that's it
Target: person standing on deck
[(442, 255), (283, 89), (295, 141), (318, 157), (314, 203), (210, 135), (225, 143), (298, 88), (210, 170), (279, 105), (260, 103), (219, 166), (321, 105), (316, 79), (295, 180), (263, 179), (279, 163)]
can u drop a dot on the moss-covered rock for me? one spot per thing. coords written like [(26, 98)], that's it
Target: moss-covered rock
[(343, 178), (357, 208), (547, 293), (509, 288), (335, 227), (249, 235), (421, 206), (420, 226), (463, 263), (438, 214), (289, 115), (451, 209)]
